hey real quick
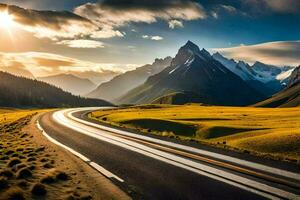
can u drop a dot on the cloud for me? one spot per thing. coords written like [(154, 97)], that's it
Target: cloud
[(102, 20), (279, 53), (214, 14), (44, 64), (107, 33), (277, 6), (50, 24), (220, 9), (156, 38), (92, 44), (113, 14), (229, 8), (175, 24), (284, 6)]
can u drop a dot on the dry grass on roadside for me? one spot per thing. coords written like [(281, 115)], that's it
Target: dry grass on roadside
[(28, 170)]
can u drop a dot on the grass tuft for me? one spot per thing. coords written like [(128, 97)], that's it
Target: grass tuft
[(7, 173), (14, 193), (24, 173), (14, 162), (39, 189), (3, 183)]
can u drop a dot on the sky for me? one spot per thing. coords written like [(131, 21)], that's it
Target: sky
[(112, 36)]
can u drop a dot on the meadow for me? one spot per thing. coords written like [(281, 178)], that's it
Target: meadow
[(268, 132)]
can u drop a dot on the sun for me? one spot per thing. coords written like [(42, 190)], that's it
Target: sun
[(6, 20)]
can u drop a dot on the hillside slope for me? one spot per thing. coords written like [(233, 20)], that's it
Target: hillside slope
[(288, 97), (70, 83), (194, 70), (17, 71), (178, 98), (121, 84), (22, 92)]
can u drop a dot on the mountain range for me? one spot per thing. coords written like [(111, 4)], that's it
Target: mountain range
[(267, 79), (23, 92), (123, 83), (288, 97), (193, 75), (70, 83), (195, 71)]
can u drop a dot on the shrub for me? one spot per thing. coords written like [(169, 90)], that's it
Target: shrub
[(14, 193), (3, 183), (7, 173), (39, 189), (62, 176), (14, 162), (24, 173), (48, 179)]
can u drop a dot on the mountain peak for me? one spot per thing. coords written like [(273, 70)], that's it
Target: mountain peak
[(191, 46), (205, 53), (217, 54)]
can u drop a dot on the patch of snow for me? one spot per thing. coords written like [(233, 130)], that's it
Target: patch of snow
[(174, 69), (284, 75)]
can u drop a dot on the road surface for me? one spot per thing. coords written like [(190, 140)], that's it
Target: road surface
[(151, 168)]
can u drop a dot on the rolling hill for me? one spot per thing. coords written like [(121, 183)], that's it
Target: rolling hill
[(288, 97), (178, 98), (194, 70), (22, 92), (70, 83), (121, 84)]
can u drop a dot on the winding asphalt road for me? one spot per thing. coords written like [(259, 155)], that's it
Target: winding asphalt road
[(152, 168)]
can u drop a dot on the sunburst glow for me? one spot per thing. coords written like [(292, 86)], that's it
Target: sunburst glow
[(6, 20)]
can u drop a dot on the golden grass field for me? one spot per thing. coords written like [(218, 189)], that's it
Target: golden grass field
[(273, 132)]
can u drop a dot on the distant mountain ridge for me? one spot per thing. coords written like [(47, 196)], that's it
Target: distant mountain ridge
[(123, 83), (288, 97), (70, 83), (22, 92), (18, 71), (196, 71), (267, 79)]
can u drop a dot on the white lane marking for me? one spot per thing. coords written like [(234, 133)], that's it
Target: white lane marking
[(175, 160), (105, 171), (253, 165), (100, 169)]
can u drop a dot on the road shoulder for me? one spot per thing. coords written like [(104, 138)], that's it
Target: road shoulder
[(83, 176)]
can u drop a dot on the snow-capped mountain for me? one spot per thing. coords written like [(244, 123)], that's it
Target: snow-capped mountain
[(195, 71), (242, 69), (273, 77)]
